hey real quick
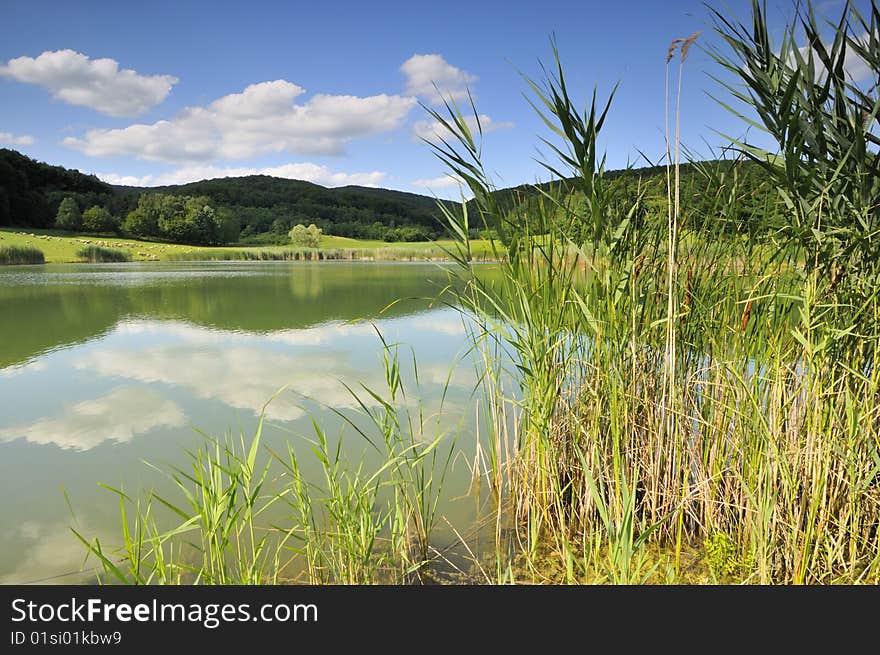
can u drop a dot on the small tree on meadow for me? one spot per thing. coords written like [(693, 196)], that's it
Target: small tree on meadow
[(68, 216), (98, 219), (305, 237)]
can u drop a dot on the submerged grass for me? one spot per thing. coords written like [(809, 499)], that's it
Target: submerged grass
[(358, 525)]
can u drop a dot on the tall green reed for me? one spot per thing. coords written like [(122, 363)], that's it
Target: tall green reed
[(692, 383)]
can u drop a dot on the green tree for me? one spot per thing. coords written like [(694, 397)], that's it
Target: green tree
[(201, 220), (228, 226), (182, 219), (68, 216), (138, 224), (98, 219), (172, 218), (305, 237)]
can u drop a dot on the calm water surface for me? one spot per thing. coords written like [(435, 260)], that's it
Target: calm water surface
[(105, 367)]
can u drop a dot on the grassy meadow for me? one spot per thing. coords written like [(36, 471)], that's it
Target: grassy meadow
[(660, 401)]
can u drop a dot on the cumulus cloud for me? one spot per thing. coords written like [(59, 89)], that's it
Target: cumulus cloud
[(299, 171), (438, 182), (264, 118), (432, 130), (451, 376), (433, 78), (9, 139), (855, 68), (118, 415), (321, 334), (76, 79)]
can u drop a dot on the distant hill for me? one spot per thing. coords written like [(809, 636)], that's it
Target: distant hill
[(272, 205), (30, 191), (266, 207), (651, 175)]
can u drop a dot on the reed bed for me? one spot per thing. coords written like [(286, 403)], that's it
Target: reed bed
[(96, 254), (21, 255), (300, 254), (317, 254)]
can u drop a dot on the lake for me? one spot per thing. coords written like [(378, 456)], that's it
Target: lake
[(104, 368)]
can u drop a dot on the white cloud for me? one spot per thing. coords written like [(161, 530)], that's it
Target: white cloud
[(119, 415), (454, 376), (432, 130), (129, 180), (13, 140), (299, 171), (321, 334), (855, 68), (96, 83), (438, 182), (264, 118), (433, 78)]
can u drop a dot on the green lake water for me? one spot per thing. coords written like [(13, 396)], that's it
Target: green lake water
[(106, 367)]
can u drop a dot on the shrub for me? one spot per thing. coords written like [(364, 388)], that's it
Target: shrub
[(98, 219), (305, 237)]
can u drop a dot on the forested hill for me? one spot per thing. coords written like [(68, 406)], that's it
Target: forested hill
[(264, 208), (723, 195), (270, 206), (31, 191), (259, 209)]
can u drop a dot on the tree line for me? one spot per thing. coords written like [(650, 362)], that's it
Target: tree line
[(259, 209), (179, 219), (250, 210)]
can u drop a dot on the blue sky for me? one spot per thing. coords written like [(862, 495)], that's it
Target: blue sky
[(166, 92)]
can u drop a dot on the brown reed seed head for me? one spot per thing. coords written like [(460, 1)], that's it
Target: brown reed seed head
[(688, 290), (688, 42), (671, 52), (745, 318)]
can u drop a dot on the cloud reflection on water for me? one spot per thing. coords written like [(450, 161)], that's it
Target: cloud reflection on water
[(118, 415), (244, 370)]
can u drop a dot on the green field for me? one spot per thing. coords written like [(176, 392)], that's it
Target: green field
[(62, 247)]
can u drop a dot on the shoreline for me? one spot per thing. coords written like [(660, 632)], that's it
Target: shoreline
[(59, 248)]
